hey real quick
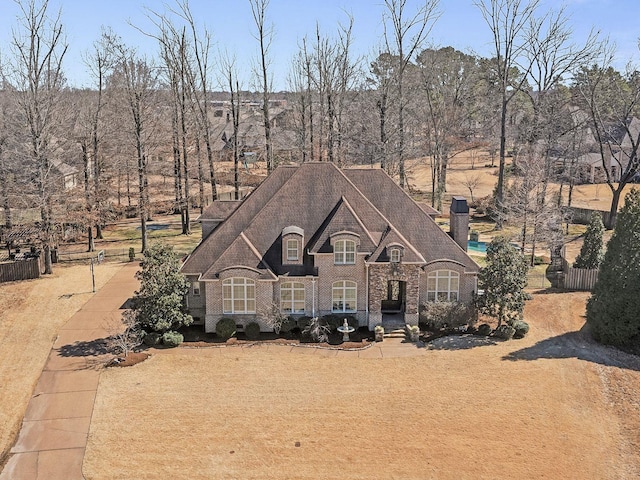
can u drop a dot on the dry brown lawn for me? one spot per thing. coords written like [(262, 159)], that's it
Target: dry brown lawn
[(553, 405), (31, 313), (459, 172)]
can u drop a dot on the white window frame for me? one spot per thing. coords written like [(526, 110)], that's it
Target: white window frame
[(339, 292), (288, 305), (443, 286), (195, 289), (394, 255), (290, 249), (238, 295), (344, 252)]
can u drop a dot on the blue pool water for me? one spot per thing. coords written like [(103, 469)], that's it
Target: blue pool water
[(479, 247)]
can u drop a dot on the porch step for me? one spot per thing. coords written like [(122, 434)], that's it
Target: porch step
[(396, 333)]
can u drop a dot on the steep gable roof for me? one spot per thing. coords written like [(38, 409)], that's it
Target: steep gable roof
[(342, 218), (409, 219), (321, 199)]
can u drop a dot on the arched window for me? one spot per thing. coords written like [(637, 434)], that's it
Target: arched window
[(292, 297), (395, 255), (238, 295), (443, 286), (343, 296), (344, 252)]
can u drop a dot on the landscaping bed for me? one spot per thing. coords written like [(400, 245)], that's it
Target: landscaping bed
[(194, 336)]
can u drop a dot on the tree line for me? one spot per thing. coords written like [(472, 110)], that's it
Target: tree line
[(541, 99)]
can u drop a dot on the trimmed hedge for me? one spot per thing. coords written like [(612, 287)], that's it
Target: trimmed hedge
[(303, 322), (484, 330), (521, 328), (226, 328), (172, 339), (151, 339), (252, 331), (505, 332), (288, 324)]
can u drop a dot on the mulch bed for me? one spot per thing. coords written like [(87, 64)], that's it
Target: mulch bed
[(133, 358), (195, 337)]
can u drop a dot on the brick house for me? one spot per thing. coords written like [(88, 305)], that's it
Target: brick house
[(315, 240)]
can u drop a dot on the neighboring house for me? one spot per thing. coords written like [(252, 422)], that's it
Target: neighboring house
[(315, 240), (618, 151), (71, 177)]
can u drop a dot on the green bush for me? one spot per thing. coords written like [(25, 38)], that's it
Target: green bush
[(303, 322), (521, 328), (152, 339), (484, 330), (505, 332), (252, 331), (288, 324), (226, 328), (172, 339)]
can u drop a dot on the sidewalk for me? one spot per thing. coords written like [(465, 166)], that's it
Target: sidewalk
[(53, 437)]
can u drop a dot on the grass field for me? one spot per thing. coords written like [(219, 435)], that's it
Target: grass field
[(32, 312), (534, 408)]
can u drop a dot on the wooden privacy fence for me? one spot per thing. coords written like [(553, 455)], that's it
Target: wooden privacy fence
[(19, 270), (578, 278)]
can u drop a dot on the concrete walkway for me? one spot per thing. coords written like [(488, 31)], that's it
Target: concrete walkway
[(53, 437)]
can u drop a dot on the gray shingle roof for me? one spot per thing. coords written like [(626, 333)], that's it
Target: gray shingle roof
[(321, 199)]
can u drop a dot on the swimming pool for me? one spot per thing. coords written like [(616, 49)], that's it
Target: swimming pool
[(481, 247), (478, 247)]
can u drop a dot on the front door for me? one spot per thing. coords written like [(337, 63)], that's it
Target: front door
[(396, 297)]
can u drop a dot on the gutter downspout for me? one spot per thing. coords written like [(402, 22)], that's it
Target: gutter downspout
[(313, 297), (366, 266)]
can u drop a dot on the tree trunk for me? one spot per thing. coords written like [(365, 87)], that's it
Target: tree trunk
[(613, 212)]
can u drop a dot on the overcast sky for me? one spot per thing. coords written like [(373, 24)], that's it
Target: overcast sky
[(460, 25)]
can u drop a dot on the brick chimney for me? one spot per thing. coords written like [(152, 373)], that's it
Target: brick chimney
[(459, 221)]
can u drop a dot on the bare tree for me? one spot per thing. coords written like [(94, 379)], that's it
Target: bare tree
[(264, 35), (228, 64), (508, 21), (137, 78), (39, 47), (471, 182), (404, 36), (612, 101), (447, 83)]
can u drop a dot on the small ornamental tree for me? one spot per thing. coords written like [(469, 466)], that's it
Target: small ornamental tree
[(503, 281), (159, 305), (612, 310), (591, 253)]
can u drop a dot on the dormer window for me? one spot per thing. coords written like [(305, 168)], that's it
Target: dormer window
[(292, 250), (344, 252), (395, 252), (292, 244)]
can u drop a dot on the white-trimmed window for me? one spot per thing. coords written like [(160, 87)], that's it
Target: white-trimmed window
[(443, 286), (343, 296), (344, 252), (292, 249), (195, 289), (238, 295), (394, 256), (292, 297)]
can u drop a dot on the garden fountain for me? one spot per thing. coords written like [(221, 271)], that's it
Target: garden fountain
[(345, 329)]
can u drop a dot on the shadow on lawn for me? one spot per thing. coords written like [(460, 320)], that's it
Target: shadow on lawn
[(459, 342), (578, 345)]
